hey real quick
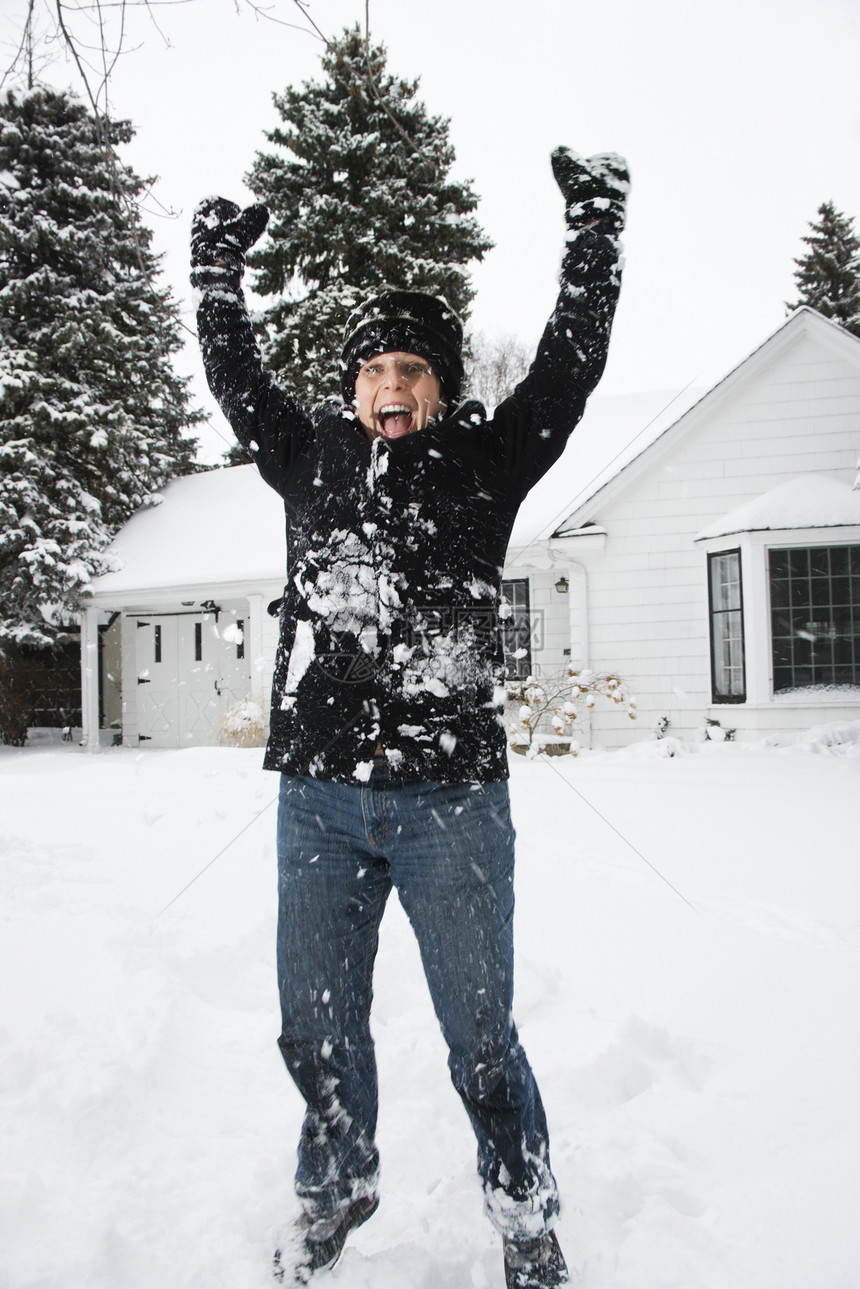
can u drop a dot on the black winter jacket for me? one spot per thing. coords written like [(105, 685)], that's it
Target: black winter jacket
[(389, 624)]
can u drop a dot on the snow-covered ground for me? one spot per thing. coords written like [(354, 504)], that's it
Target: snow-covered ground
[(699, 1064)]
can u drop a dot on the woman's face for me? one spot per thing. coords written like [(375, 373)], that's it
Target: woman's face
[(397, 394)]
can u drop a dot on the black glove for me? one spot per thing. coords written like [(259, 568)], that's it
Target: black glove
[(221, 233), (594, 189)]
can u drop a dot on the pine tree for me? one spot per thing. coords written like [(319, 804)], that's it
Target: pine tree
[(362, 200), (93, 418), (828, 276)]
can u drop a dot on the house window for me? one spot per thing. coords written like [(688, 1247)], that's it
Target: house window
[(517, 628), (728, 677), (240, 643), (815, 616)]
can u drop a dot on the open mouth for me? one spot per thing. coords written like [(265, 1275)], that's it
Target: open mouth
[(395, 420)]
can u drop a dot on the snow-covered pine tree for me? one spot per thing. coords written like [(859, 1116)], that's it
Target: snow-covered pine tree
[(360, 197), (93, 417), (828, 275)]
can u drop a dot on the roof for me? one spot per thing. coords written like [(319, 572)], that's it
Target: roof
[(809, 501), (614, 428), (227, 526), (220, 527), (678, 419)]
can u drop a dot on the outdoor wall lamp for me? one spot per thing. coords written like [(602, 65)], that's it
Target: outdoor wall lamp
[(562, 586)]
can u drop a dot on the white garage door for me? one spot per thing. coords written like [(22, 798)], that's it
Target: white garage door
[(191, 667)]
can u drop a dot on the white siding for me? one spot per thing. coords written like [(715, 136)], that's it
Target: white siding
[(648, 588)]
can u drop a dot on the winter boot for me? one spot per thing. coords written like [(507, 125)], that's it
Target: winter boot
[(319, 1241), (535, 1264)]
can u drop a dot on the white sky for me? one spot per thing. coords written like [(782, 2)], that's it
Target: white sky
[(738, 121)]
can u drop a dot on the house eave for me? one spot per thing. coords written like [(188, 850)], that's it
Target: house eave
[(136, 597), (798, 535), (799, 324), (557, 549), (580, 541)]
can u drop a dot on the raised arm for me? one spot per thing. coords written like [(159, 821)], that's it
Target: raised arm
[(271, 425), (535, 422)]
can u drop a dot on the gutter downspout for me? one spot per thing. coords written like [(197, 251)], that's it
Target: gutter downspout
[(581, 603), (579, 607), (579, 621), (577, 576)]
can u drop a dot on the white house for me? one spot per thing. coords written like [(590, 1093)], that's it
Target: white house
[(179, 632), (717, 568), (713, 563)]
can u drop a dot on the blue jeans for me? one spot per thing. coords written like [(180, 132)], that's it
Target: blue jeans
[(449, 851)]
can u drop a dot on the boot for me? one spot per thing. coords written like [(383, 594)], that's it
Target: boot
[(535, 1264), (319, 1240)]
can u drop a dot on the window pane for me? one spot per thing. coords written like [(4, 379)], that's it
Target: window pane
[(779, 593), (798, 563), (802, 650), (839, 560), (843, 651), (723, 582), (841, 591), (728, 679), (817, 640), (822, 652), (820, 592), (728, 654), (781, 652), (800, 590), (819, 561), (779, 564), (516, 628)]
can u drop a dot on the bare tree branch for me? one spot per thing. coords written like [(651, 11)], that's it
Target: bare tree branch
[(304, 9), (497, 366), (371, 83), (108, 19)]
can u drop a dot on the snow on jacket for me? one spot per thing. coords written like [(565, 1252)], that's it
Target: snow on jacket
[(389, 623)]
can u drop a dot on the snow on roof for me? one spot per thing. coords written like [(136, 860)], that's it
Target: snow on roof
[(614, 430), (223, 526), (708, 386), (809, 501), (227, 526)]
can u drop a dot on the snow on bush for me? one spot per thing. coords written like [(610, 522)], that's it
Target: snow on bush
[(556, 700), (243, 725)]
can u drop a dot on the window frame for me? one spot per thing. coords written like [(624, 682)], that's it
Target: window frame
[(715, 614), (813, 552), (520, 622)]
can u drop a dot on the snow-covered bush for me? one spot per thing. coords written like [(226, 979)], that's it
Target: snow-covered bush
[(555, 702), (243, 725), (714, 732)]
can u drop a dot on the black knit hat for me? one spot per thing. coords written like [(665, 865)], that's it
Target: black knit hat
[(408, 322)]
